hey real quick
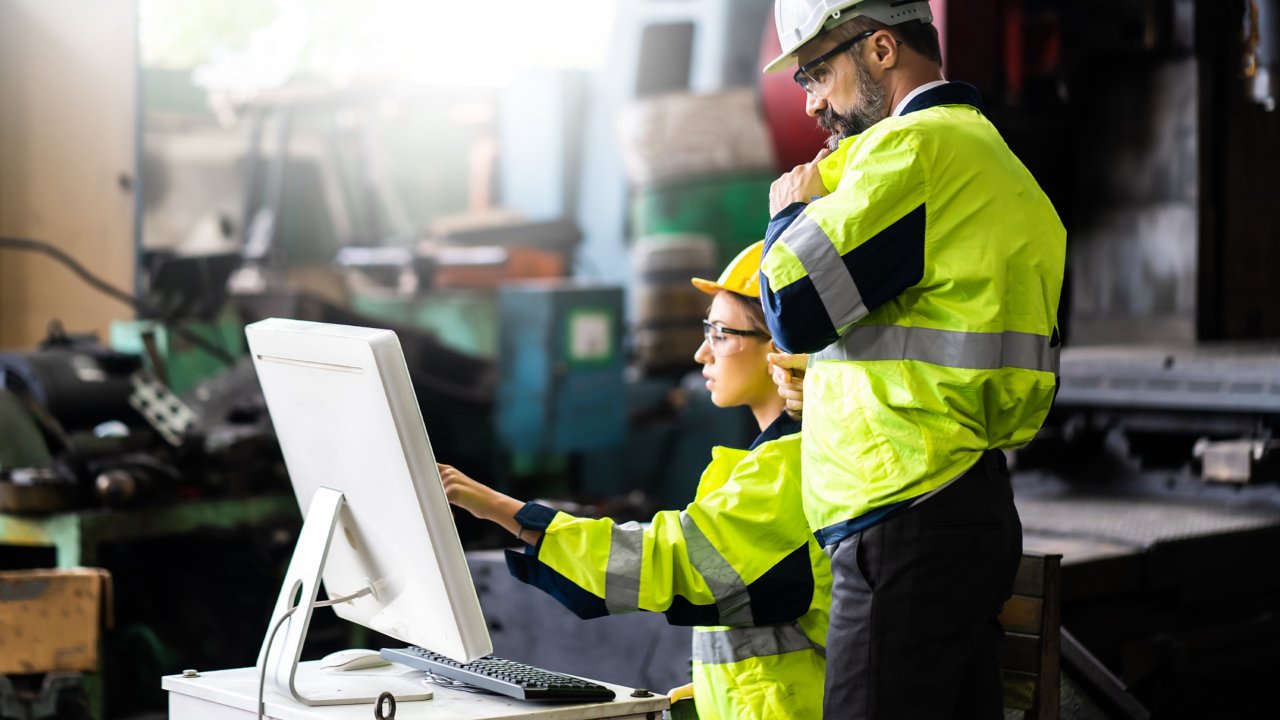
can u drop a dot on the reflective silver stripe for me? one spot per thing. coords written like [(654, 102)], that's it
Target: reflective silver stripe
[(622, 577), (835, 286), (732, 601), (717, 647), (948, 348)]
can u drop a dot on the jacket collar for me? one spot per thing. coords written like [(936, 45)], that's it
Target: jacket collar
[(832, 167), (953, 93), (784, 425)]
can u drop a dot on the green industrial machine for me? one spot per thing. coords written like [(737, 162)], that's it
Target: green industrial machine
[(184, 364), (21, 445), (733, 210), (464, 320)]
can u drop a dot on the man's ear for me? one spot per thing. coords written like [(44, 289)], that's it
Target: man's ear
[(885, 48)]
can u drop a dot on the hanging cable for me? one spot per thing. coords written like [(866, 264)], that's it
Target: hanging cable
[(46, 249), (112, 291)]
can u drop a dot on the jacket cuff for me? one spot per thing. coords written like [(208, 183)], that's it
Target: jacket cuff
[(534, 516), (531, 571), (780, 222)]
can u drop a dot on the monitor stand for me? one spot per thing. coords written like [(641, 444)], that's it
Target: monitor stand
[(282, 652)]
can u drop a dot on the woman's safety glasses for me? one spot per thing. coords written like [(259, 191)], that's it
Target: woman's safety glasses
[(726, 341)]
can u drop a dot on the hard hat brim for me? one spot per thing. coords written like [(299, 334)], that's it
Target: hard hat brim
[(707, 286), (711, 288), (782, 62)]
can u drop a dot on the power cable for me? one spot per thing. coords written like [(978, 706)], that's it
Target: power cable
[(112, 291), (271, 638), (46, 249)]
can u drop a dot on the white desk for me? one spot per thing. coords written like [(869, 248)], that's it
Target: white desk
[(225, 694)]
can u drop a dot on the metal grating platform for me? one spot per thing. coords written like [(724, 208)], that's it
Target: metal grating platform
[(1138, 522), (1230, 378)]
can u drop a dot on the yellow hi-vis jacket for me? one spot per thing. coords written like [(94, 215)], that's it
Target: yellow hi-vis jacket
[(927, 284), (738, 563)]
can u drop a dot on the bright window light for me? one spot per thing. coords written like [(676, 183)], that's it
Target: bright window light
[(435, 42), (487, 43)]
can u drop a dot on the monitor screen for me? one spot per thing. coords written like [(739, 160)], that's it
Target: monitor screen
[(347, 419)]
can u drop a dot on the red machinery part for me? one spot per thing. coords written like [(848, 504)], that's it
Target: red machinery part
[(796, 137)]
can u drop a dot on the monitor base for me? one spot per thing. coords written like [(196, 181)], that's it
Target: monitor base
[(325, 687), (282, 647)]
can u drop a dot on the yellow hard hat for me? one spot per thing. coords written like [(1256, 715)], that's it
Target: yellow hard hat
[(741, 276)]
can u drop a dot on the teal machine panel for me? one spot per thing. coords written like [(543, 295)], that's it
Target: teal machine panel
[(560, 386)]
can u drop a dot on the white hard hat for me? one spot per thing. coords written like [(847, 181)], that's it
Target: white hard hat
[(800, 21)]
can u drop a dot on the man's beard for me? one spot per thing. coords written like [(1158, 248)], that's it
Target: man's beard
[(869, 108)]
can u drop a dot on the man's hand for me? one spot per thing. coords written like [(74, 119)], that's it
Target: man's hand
[(788, 375), (802, 184)]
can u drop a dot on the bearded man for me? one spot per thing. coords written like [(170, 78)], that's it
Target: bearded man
[(920, 264)]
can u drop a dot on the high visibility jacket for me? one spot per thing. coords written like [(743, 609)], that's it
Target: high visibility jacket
[(738, 563), (926, 284)]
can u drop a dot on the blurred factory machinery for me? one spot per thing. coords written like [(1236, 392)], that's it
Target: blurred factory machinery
[(549, 328)]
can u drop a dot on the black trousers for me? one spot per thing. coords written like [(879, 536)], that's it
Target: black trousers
[(914, 634)]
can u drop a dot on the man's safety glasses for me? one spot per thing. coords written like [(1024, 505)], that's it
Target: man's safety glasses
[(726, 341), (813, 75)]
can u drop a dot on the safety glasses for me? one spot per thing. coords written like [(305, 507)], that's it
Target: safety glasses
[(726, 341), (813, 75)]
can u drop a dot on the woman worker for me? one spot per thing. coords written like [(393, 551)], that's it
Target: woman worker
[(739, 563)]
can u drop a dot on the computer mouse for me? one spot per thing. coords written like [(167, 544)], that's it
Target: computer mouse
[(354, 659)]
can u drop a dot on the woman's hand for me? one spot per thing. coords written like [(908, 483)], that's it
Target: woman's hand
[(484, 502), (467, 493), (788, 374)]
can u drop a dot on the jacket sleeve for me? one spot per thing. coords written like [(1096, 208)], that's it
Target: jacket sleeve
[(830, 263), (726, 559)]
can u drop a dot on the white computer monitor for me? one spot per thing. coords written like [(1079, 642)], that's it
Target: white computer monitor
[(348, 422)]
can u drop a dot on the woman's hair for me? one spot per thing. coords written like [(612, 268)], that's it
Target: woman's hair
[(755, 312)]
